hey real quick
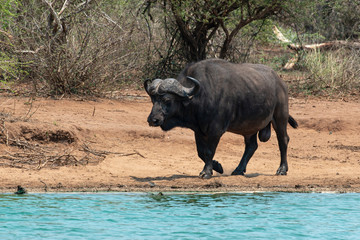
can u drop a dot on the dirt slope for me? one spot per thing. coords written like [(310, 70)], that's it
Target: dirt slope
[(108, 145)]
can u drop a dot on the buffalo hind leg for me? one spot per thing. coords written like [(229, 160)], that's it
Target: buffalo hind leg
[(250, 148), (206, 147), (283, 140)]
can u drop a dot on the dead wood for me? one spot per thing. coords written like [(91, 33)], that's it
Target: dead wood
[(326, 46), (34, 155)]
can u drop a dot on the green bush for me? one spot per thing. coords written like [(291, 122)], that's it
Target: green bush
[(9, 68), (7, 12)]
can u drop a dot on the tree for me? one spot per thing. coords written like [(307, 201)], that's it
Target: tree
[(197, 22)]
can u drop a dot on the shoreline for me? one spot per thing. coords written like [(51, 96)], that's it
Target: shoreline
[(195, 190)]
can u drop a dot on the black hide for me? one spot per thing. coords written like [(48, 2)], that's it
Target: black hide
[(214, 96)]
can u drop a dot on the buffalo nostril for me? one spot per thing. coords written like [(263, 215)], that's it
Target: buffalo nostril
[(153, 121)]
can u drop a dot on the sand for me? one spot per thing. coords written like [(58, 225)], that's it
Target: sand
[(107, 145)]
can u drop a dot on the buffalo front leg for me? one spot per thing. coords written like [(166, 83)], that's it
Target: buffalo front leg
[(250, 147), (206, 147)]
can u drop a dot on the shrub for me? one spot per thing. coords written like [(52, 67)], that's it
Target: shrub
[(80, 48)]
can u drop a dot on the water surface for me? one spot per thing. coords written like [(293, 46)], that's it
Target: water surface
[(180, 216)]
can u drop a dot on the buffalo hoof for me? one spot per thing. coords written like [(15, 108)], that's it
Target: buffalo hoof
[(236, 172), (281, 171), (205, 175), (217, 167)]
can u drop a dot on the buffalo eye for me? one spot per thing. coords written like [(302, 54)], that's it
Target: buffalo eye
[(166, 100)]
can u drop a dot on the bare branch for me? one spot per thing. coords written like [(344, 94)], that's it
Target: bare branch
[(82, 6), (185, 31), (30, 51), (65, 5), (280, 36), (111, 20), (56, 16)]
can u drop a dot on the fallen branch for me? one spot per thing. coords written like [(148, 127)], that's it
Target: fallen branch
[(139, 154), (291, 62), (326, 46), (32, 155), (330, 45), (86, 148)]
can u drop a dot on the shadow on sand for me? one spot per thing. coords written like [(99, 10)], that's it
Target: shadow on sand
[(177, 176), (173, 177)]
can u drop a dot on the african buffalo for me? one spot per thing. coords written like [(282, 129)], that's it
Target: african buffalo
[(214, 96)]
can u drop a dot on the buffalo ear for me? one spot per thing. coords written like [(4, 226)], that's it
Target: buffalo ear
[(146, 85)]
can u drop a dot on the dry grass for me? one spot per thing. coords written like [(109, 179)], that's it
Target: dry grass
[(333, 71)]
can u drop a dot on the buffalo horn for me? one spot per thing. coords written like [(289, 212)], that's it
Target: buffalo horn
[(192, 91), (152, 87), (171, 85), (146, 85)]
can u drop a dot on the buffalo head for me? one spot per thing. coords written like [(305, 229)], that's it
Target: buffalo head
[(168, 97)]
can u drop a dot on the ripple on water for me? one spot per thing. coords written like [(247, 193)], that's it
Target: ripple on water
[(180, 216)]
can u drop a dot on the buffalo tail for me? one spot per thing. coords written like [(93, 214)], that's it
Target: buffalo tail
[(292, 122)]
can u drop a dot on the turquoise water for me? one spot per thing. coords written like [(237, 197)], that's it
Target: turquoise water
[(180, 216)]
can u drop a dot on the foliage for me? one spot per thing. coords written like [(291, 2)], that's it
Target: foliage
[(10, 68), (91, 47), (7, 11), (328, 19)]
